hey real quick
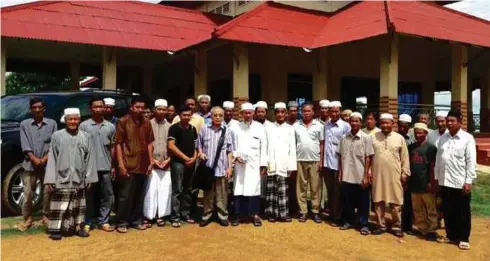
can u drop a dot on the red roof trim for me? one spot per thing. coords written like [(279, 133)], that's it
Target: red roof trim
[(27, 5), (456, 12)]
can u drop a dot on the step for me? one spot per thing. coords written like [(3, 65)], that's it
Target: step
[(484, 146), (483, 156), (482, 135)]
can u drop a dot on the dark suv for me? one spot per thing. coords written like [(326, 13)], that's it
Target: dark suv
[(16, 109)]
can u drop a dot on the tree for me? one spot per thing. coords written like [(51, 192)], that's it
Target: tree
[(27, 82)]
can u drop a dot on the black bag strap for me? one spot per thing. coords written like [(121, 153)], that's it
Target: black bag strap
[(220, 146)]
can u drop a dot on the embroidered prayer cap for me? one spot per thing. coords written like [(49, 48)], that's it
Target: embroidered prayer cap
[(247, 106), (335, 104), (161, 102), (279, 105), (386, 116), (441, 114), (405, 118), (228, 105), (292, 104), (347, 112), (109, 101), (71, 111), (324, 103), (261, 104), (422, 126), (204, 96), (356, 115)]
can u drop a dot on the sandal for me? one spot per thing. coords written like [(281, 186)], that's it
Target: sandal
[(364, 231), (175, 224), (272, 220), (147, 223), (257, 222), (140, 227), (160, 222), (398, 233), (107, 228), (464, 245), (302, 218), (379, 231), (122, 229), (443, 240)]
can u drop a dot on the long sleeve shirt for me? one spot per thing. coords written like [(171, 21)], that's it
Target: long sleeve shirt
[(71, 160), (456, 160), (36, 139), (208, 140), (334, 132), (281, 149)]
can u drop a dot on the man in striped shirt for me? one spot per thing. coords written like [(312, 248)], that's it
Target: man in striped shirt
[(207, 145)]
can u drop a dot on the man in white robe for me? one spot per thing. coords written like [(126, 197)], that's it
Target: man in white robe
[(230, 124), (250, 164), (281, 152), (157, 203), (261, 117)]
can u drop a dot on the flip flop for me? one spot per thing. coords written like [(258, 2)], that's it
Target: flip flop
[(464, 245), (257, 222), (364, 231), (443, 240), (122, 229), (107, 228), (176, 224), (160, 222)]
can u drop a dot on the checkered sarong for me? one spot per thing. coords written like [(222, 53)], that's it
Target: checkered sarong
[(66, 210), (277, 197)]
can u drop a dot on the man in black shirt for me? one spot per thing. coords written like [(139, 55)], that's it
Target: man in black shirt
[(182, 138), (422, 184)]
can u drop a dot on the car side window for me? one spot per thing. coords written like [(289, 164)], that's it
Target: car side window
[(121, 103)]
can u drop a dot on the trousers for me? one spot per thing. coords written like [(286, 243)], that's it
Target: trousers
[(457, 213)]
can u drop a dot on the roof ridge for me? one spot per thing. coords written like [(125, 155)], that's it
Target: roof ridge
[(456, 12), (28, 5)]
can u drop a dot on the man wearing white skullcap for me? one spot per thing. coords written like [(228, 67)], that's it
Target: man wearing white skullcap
[(404, 122), (356, 153), (440, 122), (261, 117), (281, 153), (292, 112), (102, 133), (204, 101), (157, 200), (71, 168), (34, 132), (390, 171), (250, 164), (231, 125), (334, 130), (110, 104), (324, 111)]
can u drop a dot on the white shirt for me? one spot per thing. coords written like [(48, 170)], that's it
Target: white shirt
[(456, 160), (308, 140), (434, 136), (281, 149)]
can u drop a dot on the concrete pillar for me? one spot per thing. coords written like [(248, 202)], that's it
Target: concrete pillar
[(74, 76), (469, 95), (320, 74), (240, 74), (388, 102), (3, 66), (109, 68), (147, 81), (485, 102), (200, 73), (459, 80)]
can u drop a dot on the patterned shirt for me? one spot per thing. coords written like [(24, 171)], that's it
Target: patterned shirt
[(208, 140), (35, 139)]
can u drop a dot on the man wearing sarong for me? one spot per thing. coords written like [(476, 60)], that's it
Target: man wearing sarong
[(157, 201), (70, 170), (391, 169), (261, 117), (250, 165), (281, 153)]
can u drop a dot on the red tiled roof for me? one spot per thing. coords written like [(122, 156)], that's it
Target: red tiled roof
[(124, 24)]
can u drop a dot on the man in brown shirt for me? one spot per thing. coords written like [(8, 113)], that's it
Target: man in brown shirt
[(134, 147)]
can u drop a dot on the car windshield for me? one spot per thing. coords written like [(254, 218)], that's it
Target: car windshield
[(16, 108)]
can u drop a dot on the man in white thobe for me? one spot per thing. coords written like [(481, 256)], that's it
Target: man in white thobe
[(250, 164), (157, 201), (281, 152), (261, 117), (231, 124)]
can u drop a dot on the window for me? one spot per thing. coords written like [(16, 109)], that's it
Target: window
[(16, 108)]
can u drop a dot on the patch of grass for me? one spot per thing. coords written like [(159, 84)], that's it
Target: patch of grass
[(6, 233), (480, 196)]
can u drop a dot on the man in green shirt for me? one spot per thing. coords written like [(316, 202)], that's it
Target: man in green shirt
[(422, 184)]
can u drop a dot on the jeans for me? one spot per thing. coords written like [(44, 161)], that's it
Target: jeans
[(130, 197), (356, 197), (182, 196), (100, 195)]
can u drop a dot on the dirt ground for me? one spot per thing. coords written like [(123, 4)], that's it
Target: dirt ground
[(279, 241)]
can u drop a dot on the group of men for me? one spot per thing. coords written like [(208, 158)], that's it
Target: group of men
[(158, 158)]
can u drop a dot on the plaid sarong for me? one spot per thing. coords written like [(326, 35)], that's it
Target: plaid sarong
[(66, 210), (277, 197)]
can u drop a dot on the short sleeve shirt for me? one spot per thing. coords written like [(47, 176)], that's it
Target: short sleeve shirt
[(185, 139), (134, 139), (308, 140), (353, 150), (102, 136), (420, 158)]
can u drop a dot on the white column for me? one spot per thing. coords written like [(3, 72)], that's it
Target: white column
[(109, 68), (389, 76), (459, 80), (3, 66), (201, 73)]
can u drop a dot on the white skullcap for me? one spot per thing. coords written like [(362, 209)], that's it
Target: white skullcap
[(254, 106), (356, 114), (335, 104), (441, 114), (405, 118), (386, 116), (71, 111), (324, 103), (420, 125), (246, 106), (204, 96), (161, 102), (292, 104), (228, 105), (261, 104), (109, 101), (279, 105)]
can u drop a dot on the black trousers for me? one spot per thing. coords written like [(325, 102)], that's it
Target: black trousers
[(356, 197), (407, 211), (457, 214), (130, 200)]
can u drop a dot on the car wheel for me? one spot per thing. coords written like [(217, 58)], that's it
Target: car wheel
[(13, 191)]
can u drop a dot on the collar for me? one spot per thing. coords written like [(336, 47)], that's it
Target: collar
[(207, 115), (92, 122), (43, 122), (161, 122), (277, 124), (303, 123), (457, 135), (358, 134), (211, 126)]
